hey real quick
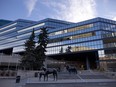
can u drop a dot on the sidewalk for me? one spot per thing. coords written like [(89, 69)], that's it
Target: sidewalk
[(63, 78), (36, 80)]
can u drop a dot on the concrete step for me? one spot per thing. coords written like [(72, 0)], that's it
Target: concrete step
[(68, 76), (73, 83), (84, 74), (94, 77)]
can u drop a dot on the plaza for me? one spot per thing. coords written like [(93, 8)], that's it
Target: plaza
[(86, 78)]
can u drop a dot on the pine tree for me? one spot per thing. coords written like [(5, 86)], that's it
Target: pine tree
[(68, 49), (61, 50), (41, 48), (28, 58)]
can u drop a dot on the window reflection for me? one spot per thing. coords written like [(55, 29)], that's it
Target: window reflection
[(76, 47), (8, 26), (72, 37), (71, 29)]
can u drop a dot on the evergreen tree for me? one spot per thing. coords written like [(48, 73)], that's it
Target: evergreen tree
[(28, 58), (68, 49), (61, 50), (41, 48)]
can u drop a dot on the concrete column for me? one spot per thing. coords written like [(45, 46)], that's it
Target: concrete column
[(97, 60), (98, 64), (87, 64)]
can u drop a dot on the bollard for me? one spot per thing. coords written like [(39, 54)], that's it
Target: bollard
[(17, 79), (36, 74)]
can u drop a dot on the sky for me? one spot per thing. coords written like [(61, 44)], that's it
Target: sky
[(68, 10)]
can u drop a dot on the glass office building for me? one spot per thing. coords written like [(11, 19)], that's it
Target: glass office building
[(90, 43), (3, 22)]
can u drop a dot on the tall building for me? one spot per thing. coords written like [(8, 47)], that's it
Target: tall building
[(90, 43), (3, 22)]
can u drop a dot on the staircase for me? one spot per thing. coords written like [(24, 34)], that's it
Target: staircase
[(89, 74), (65, 78), (85, 74)]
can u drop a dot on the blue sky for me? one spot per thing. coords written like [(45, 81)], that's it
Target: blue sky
[(69, 10)]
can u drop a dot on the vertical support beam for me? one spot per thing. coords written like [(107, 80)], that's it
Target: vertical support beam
[(87, 63), (10, 58), (97, 60), (1, 59)]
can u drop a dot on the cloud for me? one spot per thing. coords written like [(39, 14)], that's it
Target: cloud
[(114, 19), (106, 1), (73, 10), (30, 5)]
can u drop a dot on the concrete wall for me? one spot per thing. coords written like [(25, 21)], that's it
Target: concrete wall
[(26, 73), (9, 58)]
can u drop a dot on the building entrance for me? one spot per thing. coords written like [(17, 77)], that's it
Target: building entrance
[(81, 60)]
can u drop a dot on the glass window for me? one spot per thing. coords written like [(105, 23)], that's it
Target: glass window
[(8, 30), (8, 26), (29, 28), (71, 29)]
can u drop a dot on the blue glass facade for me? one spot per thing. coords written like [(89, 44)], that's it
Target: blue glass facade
[(3, 22), (88, 35), (97, 34)]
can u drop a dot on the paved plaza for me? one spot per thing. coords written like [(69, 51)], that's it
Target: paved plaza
[(90, 84), (83, 79)]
